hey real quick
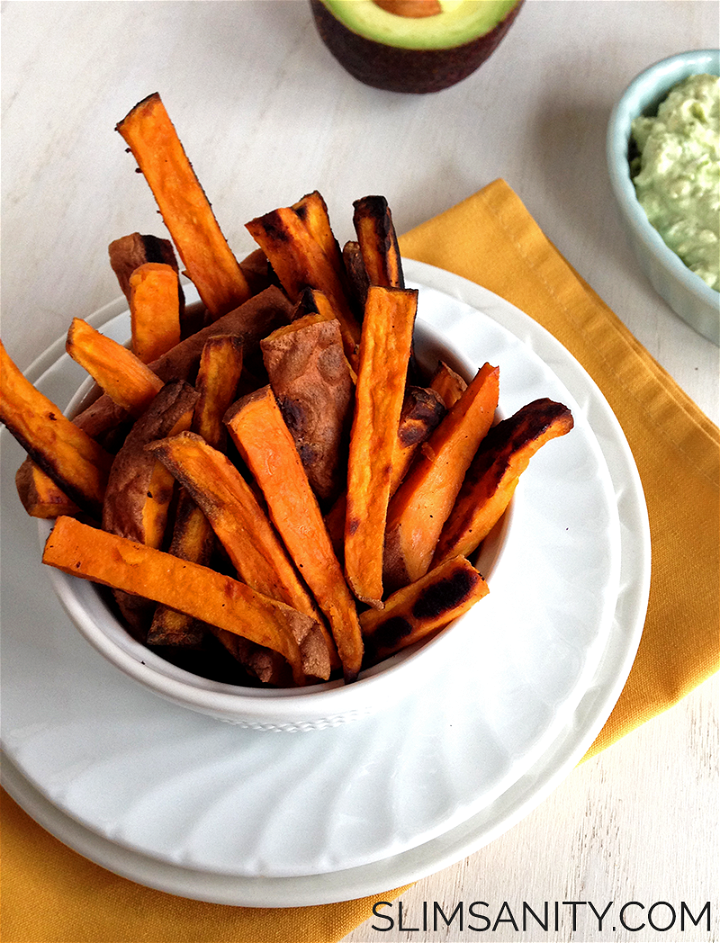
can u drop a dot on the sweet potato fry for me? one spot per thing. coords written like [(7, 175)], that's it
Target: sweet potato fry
[(312, 302), (124, 377), (192, 540), (140, 489), (491, 478), (217, 381), (356, 276), (424, 606), (270, 667), (251, 321), (193, 536), (421, 413), (423, 502), (378, 242), (449, 384), (313, 384), (266, 445), (130, 252), (238, 521), (154, 310), (300, 261), (67, 454), (387, 333), (210, 263), (312, 210), (39, 494), (134, 568)]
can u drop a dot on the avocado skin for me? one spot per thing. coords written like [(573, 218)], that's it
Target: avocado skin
[(415, 71)]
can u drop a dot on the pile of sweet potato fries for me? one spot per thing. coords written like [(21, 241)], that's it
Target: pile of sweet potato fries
[(266, 471)]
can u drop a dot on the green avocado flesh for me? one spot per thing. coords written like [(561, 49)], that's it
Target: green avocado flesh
[(460, 21)]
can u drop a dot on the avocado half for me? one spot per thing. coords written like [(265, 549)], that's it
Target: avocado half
[(414, 54)]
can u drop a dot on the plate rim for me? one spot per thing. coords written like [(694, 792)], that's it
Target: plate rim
[(459, 841)]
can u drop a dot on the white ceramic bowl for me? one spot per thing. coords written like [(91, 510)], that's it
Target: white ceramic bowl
[(288, 710), (686, 293)]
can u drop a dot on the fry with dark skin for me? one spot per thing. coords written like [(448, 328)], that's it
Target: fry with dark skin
[(140, 489), (378, 242), (301, 261), (494, 473), (313, 384)]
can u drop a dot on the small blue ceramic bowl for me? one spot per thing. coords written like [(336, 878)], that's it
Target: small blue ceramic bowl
[(686, 293)]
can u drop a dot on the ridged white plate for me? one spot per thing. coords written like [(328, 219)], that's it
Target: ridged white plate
[(272, 820)]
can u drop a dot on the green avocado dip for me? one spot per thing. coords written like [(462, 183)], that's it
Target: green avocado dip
[(677, 173)]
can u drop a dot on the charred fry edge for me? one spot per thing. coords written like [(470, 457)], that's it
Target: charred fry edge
[(378, 242), (300, 261), (424, 606), (491, 479)]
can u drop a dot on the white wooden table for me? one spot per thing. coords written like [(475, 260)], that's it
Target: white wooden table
[(266, 115)]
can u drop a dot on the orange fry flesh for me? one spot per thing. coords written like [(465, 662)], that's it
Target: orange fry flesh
[(154, 310), (221, 363), (449, 384), (424, 500), (208, 259), (121, 373), (74, 461), (267, 447), (384, 356), (212, 597), (238, 520)]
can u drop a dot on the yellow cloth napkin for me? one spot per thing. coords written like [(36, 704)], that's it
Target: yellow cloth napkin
[(49, 893)]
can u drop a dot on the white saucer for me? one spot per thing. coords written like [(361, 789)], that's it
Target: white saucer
[(153, 792)]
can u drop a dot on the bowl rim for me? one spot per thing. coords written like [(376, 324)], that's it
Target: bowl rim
[(646, 91)]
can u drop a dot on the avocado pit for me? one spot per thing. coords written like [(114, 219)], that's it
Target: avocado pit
[(411, 8)]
